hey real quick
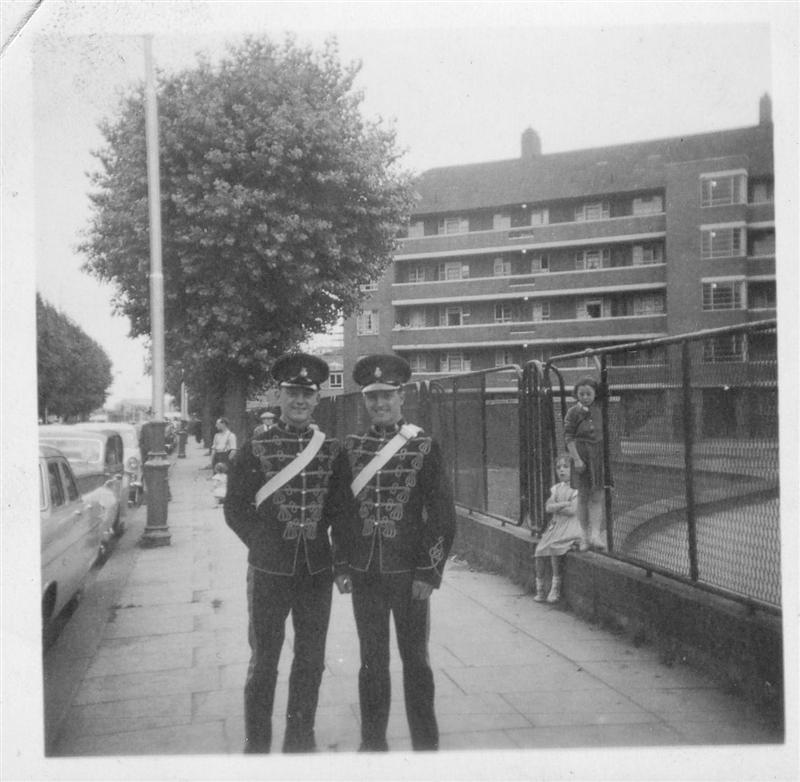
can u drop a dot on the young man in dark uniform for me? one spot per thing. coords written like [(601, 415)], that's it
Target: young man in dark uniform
[(286, 491), (402, 532)]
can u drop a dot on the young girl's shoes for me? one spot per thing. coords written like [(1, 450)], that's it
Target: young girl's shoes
[(539, 597), (555, 591)]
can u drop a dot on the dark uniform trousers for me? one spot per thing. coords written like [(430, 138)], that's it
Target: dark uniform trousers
[(270, 598), (375, 596)]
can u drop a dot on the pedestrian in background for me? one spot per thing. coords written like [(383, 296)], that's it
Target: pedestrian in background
[(583, 435), (401, 536), (267, 418), (223, 448), (288, 497), (562, 534)]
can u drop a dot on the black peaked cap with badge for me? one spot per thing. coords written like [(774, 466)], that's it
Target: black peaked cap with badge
[(381, 372), (300, 370)]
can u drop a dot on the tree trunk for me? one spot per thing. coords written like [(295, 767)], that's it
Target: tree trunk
[(235, 404)]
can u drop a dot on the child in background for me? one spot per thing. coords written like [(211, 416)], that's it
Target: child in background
[(562, 533), (220, 478), (583, 435)]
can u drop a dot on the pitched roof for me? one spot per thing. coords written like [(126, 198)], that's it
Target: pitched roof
[(625, 167)]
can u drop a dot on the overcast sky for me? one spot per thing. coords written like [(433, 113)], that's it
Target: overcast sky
[(459, 81)]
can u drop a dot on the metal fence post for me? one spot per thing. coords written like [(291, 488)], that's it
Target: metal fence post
[(688, 458), (606, 454)]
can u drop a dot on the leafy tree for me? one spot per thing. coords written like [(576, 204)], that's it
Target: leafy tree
[(74, 372), (278, 201)]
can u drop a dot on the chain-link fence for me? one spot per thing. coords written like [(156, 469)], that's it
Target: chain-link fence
[(692, 451)]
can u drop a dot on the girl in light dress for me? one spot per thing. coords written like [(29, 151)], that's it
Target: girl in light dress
[(562, 534)]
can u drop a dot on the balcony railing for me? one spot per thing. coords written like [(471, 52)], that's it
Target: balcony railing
[(518, 332), (643, 277), (551, 235)]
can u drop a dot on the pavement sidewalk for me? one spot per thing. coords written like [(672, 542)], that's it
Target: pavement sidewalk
[(154, 659)]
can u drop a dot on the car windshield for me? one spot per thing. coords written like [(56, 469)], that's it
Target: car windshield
[(76, 449)]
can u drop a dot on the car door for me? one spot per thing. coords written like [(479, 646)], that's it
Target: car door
[(69, 536)]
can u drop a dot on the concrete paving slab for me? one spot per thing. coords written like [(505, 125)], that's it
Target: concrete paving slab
[(484, 740), (123, 716), (536, 702), (576, 736), (204, 738), (132, 623), (142, 684)]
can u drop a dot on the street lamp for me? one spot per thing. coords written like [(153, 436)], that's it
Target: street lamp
[(156, 532)]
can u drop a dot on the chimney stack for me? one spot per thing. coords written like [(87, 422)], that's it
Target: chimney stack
[(531, 144), (765, 110)]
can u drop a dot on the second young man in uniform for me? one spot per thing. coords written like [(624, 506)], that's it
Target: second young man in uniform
[(402, 530)]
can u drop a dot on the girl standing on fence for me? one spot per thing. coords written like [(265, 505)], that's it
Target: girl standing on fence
[(562, 533), (583, 435)]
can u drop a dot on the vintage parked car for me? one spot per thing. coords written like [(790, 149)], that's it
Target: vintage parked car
[(73, 533), (96, 458), (131, 456)]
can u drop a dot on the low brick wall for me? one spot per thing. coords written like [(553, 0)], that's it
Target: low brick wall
[(740, 649)]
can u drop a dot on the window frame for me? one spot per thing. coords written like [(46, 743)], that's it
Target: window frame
[(729, 250), (738, 189), (738, 295), (506, 312), (368, 323)]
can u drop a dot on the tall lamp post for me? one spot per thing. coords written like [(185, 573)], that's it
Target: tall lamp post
[(156, 532)]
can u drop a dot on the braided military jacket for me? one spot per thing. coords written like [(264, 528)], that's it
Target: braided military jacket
[(290, 529), (405, 516)]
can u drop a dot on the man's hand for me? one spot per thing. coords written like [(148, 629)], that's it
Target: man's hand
[(344, 584), (421, 590)]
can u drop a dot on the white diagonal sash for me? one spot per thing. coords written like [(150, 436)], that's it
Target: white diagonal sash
[(296, 466), (407, 431)]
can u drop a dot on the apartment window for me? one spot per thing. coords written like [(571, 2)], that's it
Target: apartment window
[(590, 308), (598, 210), (368, 287), (502, 267), (502, 312), (723, 295), (540, 216), (541, 310), (453, 270), (540, 262), (761, 295), (336, 380), (452, 316), (644, 254), (726, 347), (453, 225), (593, 259), (416, 274), (455, 362), (419, 362), (762, 193), (723, 188), (721, 242), (416, 230), (503, 357), (648, 304), (501, 222), (367, 323), (649, 205)]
